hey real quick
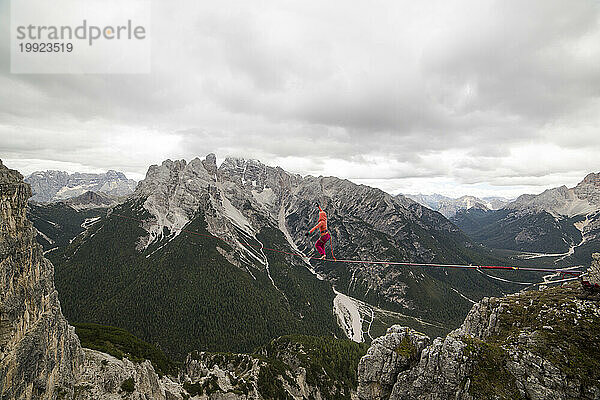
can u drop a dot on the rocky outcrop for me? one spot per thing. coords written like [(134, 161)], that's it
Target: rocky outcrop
[(535, 345), (593, 272), (40, 355), (589, 189), (91, 199), (388, 355), (298, 367), (108, 378)]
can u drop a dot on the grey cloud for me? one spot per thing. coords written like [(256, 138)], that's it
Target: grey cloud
[(444, 90)]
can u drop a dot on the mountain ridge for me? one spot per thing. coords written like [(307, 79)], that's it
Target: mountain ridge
[(54, 185), (252, 206), (449, 206), (520, 337), (41, 356), (560, 222)]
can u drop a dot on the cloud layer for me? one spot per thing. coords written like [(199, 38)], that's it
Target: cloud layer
[(465, 96)]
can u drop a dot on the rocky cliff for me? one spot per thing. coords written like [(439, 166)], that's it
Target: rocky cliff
[(532, 345), (296, 366), (40, 354)]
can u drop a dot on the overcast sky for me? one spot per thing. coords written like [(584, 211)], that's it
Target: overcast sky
[(455, 97)]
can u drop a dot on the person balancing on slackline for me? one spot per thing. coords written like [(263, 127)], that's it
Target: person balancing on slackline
[(325, 237)]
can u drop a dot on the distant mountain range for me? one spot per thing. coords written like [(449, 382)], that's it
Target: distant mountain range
[(152, 265), (581, 200), (563, 222), (50, 186), (449, 206)]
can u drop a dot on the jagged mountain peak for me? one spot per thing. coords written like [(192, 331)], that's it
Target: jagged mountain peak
[(167, 164), (589, 189), (111, 173), (592, 177), (210, 163), (177, 187)]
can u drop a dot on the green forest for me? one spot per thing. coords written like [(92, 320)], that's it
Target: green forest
[(187, 296)]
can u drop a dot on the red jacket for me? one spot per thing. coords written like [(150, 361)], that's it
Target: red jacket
[(322, 224)]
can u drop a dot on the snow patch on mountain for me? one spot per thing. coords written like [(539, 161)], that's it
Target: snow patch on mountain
[(235, 215), (45, 237), (89, 222)]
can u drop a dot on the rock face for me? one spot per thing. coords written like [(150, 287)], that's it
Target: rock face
[(107, 378), (533, 345), (50, 186), (40, 355), (388, 355), (594, 270), (589, 189)]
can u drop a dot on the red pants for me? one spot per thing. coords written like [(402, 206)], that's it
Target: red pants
[(320, 245)]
